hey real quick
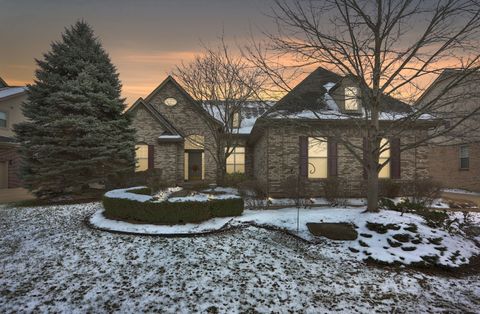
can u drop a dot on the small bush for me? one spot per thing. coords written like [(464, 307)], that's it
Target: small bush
[(249, 187), (424, 191), (434, 218), (294, 187), (234, 179), (402, 237), (141, 191), (389, 188), (333, 189), (381, 228)]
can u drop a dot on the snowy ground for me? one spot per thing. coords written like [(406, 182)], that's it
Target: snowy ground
[(50, 261)]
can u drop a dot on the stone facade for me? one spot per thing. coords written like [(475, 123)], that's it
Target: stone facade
[(277, 157), (272, 151)]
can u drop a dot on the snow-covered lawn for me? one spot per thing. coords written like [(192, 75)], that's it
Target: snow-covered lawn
[(51, 261)]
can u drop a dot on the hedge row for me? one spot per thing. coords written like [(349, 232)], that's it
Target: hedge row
[(170, 213)]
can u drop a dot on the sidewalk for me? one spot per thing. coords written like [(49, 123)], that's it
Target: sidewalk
[(14, 195)]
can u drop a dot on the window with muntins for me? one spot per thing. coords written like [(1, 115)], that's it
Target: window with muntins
[(141, 154), (3, 119), (351, 98), (236, 160), (464, 157), (384, 156), (317, 157)]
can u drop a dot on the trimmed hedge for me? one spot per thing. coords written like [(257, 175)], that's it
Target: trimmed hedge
[(170, 213)]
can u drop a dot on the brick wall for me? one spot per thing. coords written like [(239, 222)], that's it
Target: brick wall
[(277, 158), (444, 166), (10, 155)]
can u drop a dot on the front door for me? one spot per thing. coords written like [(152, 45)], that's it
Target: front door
[(195, 165)]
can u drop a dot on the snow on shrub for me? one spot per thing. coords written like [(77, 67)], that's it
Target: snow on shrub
[(125, 204)]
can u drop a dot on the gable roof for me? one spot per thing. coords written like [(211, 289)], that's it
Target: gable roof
[(309, 93), (171, 130), (312, 99), (196, 105)]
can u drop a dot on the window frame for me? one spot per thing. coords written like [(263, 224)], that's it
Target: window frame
[(234, 154), (6, 120), (467, 158), (323, 140)]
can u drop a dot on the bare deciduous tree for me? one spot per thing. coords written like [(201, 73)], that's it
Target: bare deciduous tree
[(223, 84), (391, 48)]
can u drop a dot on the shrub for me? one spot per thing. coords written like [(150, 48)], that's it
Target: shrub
[(333, 189), (294, 187), (424, 191), (170, 212), (141, 191), (234, 179), (434, 218), (389, 188)]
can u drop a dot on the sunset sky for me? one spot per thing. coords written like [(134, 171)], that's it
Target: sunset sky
[(145, 39)]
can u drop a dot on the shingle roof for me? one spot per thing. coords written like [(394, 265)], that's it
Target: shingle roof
[(314, 94)]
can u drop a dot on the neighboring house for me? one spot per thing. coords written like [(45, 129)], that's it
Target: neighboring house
[(455, 158), (11, 99), (295, 138)]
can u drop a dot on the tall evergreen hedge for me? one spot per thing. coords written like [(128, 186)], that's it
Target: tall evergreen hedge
[(76, 131)]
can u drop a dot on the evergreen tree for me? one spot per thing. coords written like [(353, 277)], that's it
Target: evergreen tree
[(76, 131)]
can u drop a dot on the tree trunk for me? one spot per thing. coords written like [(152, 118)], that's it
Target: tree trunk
[(372, 191)]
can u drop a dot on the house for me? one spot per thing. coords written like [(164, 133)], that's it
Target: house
[(11, 99), (455, 157), (294, 138)]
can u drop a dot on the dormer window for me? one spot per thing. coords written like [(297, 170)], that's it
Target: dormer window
[(352, 101), (236, 120)]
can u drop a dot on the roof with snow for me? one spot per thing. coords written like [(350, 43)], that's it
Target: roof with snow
[(313, 98), (250, 111)]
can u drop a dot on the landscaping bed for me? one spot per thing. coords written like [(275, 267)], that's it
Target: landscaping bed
[(139, 206)]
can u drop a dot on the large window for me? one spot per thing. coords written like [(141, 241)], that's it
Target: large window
[(3, 119), (317, 157), (384, 156), (236, 160), (141, 153), (464, 157), (351, 98)]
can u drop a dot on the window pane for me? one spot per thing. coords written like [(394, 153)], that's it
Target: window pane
[(317, 167), (240, 168), (231, 159), (141, 154), (464, 153), (239, 149), (142, 164), (3, 123), (317, 147), (141, 151), (386, 152), (385, 171), (464, 163), (3, 115), (230, 168), (194, 142), (351, 98)]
